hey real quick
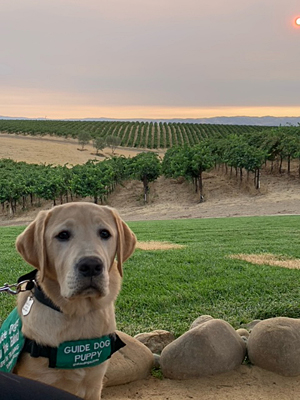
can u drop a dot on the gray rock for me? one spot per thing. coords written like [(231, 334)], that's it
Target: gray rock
[(252, 324), (200, 320), (243, 332), (274, 345), (156, 361), (210, 348), (156, 341), (132, 362)]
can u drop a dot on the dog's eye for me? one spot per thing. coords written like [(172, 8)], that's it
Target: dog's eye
[(104, 234), (63, 235)]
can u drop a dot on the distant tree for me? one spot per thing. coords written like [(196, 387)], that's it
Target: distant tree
[(99, 144), (171, 164), (234, 148), (146, 167), (113, 142), (90, 180), (290, 144), (253, 159), (272, 143), (83, 139), (51, 184), (198, 159), (189, 162)]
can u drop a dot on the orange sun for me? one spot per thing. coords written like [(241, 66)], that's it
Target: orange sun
[(297, 22)]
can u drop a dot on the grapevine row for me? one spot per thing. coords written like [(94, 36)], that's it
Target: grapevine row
[(21, 182), (145, 135)]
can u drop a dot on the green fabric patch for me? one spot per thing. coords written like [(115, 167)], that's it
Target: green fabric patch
[(69, 355), (83, 353), (11, 341)]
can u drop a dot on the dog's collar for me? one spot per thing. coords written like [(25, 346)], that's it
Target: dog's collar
[(29, 278), (42, 298), (37, 291)]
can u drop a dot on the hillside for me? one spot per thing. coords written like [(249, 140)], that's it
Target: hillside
[(169, 199)]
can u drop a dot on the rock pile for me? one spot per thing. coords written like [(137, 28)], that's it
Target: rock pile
[(210, 347)]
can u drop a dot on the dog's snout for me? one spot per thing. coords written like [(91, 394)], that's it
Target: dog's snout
[(90, 266)]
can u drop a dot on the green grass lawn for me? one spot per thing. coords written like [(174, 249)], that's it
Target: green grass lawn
[(169, 289)]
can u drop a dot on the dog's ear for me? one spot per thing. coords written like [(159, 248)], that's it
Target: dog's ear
[(126, 241), (31, 243)]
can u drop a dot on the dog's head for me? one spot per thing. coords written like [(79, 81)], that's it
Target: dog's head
[(75, 245)]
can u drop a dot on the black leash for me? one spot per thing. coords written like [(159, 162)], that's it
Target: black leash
[(15, 288)]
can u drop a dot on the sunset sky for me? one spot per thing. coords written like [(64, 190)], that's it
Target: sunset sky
[(149, 58)]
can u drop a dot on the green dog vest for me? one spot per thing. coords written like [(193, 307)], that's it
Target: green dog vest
[(68, 355)]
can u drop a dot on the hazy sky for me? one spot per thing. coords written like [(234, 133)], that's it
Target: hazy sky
[(149, 58)]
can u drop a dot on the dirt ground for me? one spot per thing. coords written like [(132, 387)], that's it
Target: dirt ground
[(172, 199), (245, 383)]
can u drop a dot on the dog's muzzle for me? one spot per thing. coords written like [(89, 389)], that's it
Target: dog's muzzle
[(89, 267)]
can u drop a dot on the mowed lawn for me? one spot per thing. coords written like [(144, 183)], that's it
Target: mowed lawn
[(168, 289)]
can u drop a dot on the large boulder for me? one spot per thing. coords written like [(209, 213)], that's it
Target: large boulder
[(211, 348), (131, 363), (156, 341), (274, 345)]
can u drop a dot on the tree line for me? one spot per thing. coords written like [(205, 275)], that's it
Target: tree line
[(21, 184), (235, 154)]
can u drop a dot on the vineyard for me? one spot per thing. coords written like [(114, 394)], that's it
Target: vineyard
[(239, 151), (145, 135)]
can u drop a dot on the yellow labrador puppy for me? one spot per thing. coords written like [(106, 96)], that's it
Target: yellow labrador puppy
[(68, 319)]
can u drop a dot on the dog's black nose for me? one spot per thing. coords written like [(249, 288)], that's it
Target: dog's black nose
[(90, 266)]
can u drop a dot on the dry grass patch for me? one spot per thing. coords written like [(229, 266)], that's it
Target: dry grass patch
[(268, 259), (152, 245)]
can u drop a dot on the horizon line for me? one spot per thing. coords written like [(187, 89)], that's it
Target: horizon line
[(6, 117)]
